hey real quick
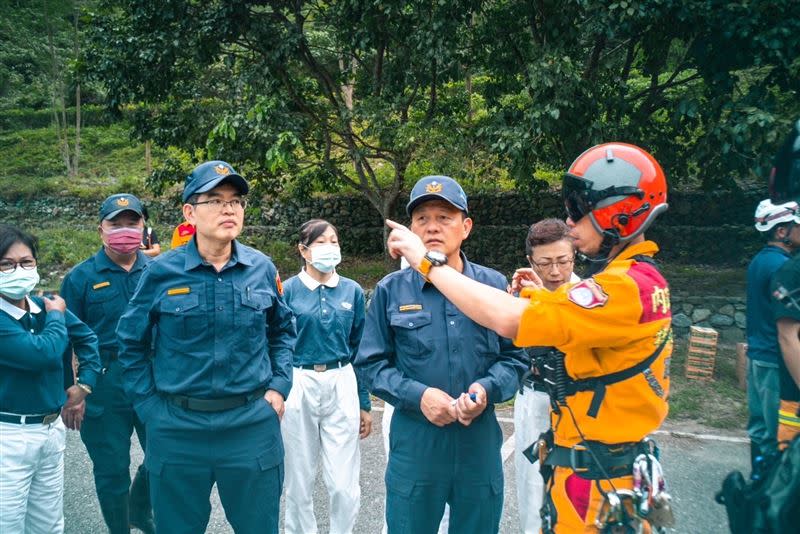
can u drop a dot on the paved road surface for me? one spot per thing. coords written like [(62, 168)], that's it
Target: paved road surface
[(695, 469)]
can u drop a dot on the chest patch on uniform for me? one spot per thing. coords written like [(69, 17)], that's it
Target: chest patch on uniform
[(347, 306), (179, 291), (588, 294), (101, 285), (410, 307)]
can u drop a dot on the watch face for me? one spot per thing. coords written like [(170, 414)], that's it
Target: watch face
[(436, 257)]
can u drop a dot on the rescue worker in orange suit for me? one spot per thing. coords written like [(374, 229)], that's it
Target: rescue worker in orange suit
[(614, 329)]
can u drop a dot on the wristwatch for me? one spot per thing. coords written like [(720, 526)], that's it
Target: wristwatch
[(85, 387), (432, 258)]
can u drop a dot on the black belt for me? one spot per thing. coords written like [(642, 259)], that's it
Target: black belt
[(215, 405), (616, 460), (322, 367), (29, 419)]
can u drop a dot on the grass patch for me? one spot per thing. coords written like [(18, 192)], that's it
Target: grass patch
[(110, 162), (61, 248), (719, 403)]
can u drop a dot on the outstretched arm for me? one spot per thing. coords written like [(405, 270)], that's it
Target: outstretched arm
[(487, 306)]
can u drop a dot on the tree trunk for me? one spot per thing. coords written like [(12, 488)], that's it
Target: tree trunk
[(148, 159), (76, 152)]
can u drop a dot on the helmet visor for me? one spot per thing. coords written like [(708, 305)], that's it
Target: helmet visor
[(576, 194)]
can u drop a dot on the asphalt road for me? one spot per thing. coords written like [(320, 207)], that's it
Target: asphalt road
[(694, 469)]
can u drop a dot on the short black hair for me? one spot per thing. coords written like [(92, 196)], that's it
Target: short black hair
[(545, 232), (10, 235)]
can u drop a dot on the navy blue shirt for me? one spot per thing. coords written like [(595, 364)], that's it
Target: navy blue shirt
[(97, 291), (214, 334), (414, 338), (786, 305), (330, 321), (35, 365), (762, 334)]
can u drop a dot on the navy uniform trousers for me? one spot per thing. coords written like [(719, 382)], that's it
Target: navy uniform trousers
[(106, 431), (430, 465), (239, 449)]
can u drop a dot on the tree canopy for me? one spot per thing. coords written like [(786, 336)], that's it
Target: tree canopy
[(321, 95)]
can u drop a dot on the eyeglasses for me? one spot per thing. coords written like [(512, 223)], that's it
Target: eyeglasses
[(8, 267), (216, 204), (560, 264)]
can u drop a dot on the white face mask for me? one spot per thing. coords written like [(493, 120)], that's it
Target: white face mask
[(325, 257), (18, 284)]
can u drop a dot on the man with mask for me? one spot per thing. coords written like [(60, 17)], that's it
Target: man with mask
[(97, 291)]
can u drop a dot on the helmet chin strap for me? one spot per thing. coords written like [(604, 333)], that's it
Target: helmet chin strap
[(598, 262)]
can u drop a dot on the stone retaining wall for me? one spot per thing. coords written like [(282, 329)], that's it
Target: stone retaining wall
[(724, 314)]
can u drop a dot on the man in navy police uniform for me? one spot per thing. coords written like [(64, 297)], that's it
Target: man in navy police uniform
[(212, 394), (97, 291), (443, 373)]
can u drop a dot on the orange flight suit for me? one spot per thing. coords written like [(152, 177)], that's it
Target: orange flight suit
[(604, 324)]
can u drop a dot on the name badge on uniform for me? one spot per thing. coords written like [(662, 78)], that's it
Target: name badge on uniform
[(101, 285), (179, 291), (410, 307)]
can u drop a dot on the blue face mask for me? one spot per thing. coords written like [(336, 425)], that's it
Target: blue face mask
[(325, 258), (18, 284)]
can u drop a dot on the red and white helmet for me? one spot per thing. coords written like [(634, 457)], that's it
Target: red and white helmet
[(621, 187), (769, 215)]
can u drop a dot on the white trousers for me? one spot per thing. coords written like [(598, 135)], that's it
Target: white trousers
[(531, 418), (32, 478), (322, 420), (386, 423)]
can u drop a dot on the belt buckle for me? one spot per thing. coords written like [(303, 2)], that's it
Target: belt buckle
[(48, 419), (573, 458), (320, 367)]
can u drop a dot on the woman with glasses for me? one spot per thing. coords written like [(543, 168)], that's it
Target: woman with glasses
[(551, 255), (327, 411), (36, 382)]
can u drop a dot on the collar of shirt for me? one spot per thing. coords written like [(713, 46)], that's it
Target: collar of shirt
[(647, 248), (238, 255), (467, 270), (312, 284), (18, 313), (105, 263)]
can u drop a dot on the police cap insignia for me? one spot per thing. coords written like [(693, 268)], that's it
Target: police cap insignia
[(433, 187), (222, 170), (122, 202)]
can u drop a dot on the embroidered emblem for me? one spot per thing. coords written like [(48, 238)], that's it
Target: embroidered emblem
[(279, 284), (433, 187), (653, 383), (122, 202), (410, 307), (179, 291), (660, 299), (222, 170), (588, 294), (101, 285), (347, 306)]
